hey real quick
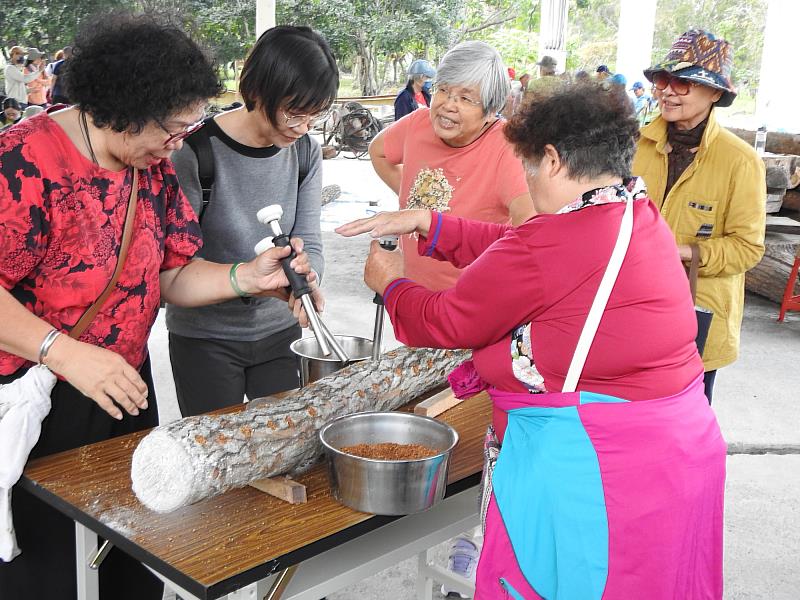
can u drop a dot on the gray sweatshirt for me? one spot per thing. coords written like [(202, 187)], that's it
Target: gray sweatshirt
[(246, 180)]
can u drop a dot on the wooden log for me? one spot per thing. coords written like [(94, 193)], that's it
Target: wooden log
[(199, 457), (778, 142), (437, 404), (768, 278), (283, 488)]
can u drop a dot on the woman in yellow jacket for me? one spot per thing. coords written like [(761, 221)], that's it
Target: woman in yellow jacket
[(708, 183)]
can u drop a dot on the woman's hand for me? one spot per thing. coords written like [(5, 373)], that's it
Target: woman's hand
[(383, 267), (316, 298), (264, 274), (389, 223), (102, 375)]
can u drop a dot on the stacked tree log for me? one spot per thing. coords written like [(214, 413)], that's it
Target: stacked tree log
[(768, 278)]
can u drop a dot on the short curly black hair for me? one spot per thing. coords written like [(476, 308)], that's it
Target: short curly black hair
[(129, 70), (591, 125)]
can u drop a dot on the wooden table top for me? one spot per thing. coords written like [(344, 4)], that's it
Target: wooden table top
[(223, 543)]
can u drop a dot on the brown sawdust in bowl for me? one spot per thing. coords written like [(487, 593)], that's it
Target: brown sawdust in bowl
[(390, 451)]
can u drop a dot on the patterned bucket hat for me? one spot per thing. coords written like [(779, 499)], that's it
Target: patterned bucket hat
[(700, 57)]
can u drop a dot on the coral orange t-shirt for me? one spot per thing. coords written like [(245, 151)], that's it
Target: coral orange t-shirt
[(478, 181)]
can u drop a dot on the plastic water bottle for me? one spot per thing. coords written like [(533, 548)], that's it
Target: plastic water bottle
[(761, 140)]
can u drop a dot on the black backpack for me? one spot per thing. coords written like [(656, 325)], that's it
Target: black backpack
[(200, 142)]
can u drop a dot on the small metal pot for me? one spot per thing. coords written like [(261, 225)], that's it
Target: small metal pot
[(388, 487), (314, 365)]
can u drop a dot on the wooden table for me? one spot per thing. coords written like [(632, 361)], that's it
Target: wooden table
[(242, 537)]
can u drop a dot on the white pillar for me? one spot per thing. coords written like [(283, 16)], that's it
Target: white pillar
[(778, 86), (637, 20), (553, 31), (265, 16)]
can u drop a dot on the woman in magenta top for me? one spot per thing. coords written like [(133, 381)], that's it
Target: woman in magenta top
[(589, 482)]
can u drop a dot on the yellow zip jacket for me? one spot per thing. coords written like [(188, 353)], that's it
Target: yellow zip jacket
[(718, 203)]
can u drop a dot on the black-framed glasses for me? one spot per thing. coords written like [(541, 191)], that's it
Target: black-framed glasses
[(180, 135), (460, 99), (681, 87), (310, 120)]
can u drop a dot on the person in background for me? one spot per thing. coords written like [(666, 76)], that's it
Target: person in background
[(642, 103), (16, 77), (582, 75), (12, 113), (37, 88), (48, 70), (65, 184), (454, 158), (707, 183), (602, 72), (57, 93), (547, 66), (614, 486), (417, 92), (262, 155), (32, 111), (524, 79)]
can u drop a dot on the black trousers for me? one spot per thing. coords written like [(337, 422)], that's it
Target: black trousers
[(212, 374), (46, 568), (709, 377)]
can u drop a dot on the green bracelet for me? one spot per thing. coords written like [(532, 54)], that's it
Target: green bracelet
[(235, 284)]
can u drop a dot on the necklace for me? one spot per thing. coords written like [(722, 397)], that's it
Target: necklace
[(85, 132)]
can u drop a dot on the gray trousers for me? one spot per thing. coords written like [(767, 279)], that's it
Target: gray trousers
[(211, 374)]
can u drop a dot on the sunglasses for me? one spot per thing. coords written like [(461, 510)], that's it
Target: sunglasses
[(182, 134), (681, 87)]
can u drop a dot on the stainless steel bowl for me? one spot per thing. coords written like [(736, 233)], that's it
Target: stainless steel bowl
[(387, 487), (314, 365)]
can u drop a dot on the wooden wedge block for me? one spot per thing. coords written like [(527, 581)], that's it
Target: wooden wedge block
[(437, 404), (283, 488)]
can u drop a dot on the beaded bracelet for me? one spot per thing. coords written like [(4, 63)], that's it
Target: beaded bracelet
[(47, 342), (235, 283)]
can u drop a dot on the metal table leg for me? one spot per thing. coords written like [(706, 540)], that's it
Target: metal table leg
[(85, 550)]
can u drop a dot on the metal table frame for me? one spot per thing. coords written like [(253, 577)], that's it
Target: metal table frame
[(343, 565)]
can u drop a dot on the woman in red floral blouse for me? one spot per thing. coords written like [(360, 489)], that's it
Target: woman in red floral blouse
[(139, 89)]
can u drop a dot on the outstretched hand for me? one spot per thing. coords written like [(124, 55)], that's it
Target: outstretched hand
[(397, 222)]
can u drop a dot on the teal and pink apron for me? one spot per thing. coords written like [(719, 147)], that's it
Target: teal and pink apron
[(597, 497)]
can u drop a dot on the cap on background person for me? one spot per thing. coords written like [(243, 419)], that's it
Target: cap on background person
[(34, 53), (603, 69), (618, 79), (548, 61), (637, 86), (421, 67), (700, 57)]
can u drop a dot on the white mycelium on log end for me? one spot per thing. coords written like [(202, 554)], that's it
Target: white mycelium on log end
[(199, 457)]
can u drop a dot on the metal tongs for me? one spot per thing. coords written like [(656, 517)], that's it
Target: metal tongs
[(388, 242), (271, 215)]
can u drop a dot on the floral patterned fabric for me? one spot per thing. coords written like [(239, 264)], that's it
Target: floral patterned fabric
[(61, 221)]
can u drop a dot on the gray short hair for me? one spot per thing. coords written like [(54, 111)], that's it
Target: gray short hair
[(476, 63)]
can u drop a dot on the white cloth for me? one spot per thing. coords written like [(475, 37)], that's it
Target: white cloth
[(24, 404)]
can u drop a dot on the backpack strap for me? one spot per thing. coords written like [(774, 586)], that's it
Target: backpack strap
[(303, 158), (200, 142)]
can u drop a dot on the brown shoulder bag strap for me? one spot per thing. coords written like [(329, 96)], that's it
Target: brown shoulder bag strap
[(127, 234)]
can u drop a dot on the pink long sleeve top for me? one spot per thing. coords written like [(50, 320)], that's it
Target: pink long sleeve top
[(546, 272)]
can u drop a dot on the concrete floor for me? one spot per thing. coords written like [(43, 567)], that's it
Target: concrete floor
[(757, 401)]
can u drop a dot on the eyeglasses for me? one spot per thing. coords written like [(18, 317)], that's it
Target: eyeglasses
[(662, 79), (460, 100), (180, 135), (310, 120)]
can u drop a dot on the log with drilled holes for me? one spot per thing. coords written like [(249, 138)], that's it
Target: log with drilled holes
[(199, 457)]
